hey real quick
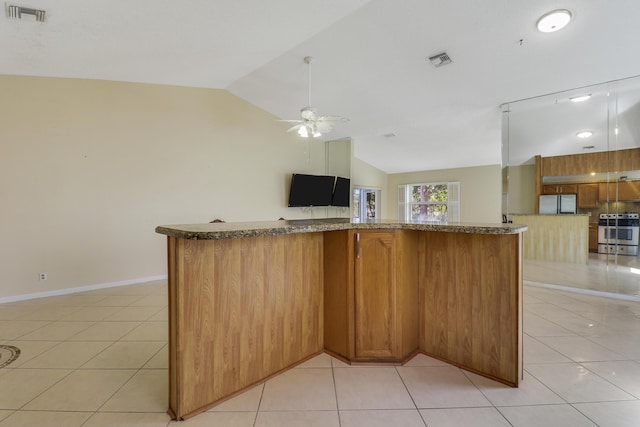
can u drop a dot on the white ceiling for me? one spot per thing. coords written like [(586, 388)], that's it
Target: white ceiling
[(370, 60)]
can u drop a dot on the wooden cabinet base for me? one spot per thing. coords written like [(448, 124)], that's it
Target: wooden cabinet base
[(471, 302), (240, 311), (371, 295)]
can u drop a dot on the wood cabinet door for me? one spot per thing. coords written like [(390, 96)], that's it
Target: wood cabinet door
[(550, 189), (587, 195), (624, 191), (629, 190), (375, 295), (568, 188)]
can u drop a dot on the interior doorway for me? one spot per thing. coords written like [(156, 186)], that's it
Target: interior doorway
[(366, 204)]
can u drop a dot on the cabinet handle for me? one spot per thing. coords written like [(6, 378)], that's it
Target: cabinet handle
[(358, 245)]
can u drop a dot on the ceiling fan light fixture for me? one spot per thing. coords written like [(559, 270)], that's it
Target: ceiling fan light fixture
[(554, 20), (303, 132), (306, 131), (310, 124)]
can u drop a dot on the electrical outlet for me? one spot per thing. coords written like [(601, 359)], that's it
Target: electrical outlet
[(43, 276)]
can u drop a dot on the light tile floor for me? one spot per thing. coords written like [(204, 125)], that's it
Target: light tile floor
[(616, 275), (100, 359)]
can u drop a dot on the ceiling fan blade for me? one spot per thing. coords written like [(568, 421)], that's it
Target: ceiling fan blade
[(324, 127), (294, 128), (332, 119), (290, 121)]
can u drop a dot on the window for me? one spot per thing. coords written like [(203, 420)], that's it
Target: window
[(438, 201), (365, 204)]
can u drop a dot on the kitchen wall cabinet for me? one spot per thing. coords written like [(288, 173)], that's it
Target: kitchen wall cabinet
[(622, 190), (625, 160), (588, 195), (599, 162), (593, 237), (575, 164), (560, 189), (371, 291)]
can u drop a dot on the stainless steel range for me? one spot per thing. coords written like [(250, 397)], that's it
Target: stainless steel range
[(618, 233)]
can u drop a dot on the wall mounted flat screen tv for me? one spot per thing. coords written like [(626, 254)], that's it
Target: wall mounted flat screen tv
[(341, 192), (310, 190)]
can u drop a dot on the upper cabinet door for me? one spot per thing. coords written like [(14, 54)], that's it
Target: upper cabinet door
[(560, 189), (588, 195)]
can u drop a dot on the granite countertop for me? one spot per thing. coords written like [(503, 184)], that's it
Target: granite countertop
[(232, 230)]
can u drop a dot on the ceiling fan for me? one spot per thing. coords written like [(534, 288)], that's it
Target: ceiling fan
[(311, 124)]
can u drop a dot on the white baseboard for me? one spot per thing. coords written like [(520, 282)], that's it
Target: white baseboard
[(81, 289)]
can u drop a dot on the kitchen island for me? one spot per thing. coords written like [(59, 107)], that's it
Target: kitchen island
[(557, 238), (250, 300)]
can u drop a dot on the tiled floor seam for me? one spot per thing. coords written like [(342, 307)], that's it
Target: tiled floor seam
[(411, 396), (255, 417), (71, 371), (485, 396), (335, 391), (584, 415)]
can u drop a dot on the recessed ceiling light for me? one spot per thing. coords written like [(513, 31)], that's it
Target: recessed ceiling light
[(584, 134), (554, 21), (580, 98)]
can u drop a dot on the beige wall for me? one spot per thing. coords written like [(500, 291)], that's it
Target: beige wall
[(480, 190), (521, 189), (89, 168)]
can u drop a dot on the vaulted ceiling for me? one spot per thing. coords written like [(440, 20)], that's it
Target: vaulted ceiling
[(370, 60)]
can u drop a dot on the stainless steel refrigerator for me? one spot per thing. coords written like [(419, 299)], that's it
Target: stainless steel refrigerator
[(558, 204)]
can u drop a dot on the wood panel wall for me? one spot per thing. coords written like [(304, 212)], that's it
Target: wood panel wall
[(245, 308), (471, 299), (339, 338), (558, 238), (407, 292)]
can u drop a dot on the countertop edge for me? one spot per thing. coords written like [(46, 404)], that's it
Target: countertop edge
[(220, 231)]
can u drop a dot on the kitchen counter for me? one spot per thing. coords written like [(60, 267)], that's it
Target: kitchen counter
[(250, 300), (233, 230), (557, 238)]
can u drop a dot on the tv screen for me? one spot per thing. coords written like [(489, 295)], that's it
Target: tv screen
[(341, 192), (310, 190)]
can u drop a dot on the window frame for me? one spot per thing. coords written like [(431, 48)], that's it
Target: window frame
[(405, 204)]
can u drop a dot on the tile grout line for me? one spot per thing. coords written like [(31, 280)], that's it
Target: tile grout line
[(335, 392), (411, 396)]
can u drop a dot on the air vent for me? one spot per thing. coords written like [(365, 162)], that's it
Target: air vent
[(440, 59), (17, 12)]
